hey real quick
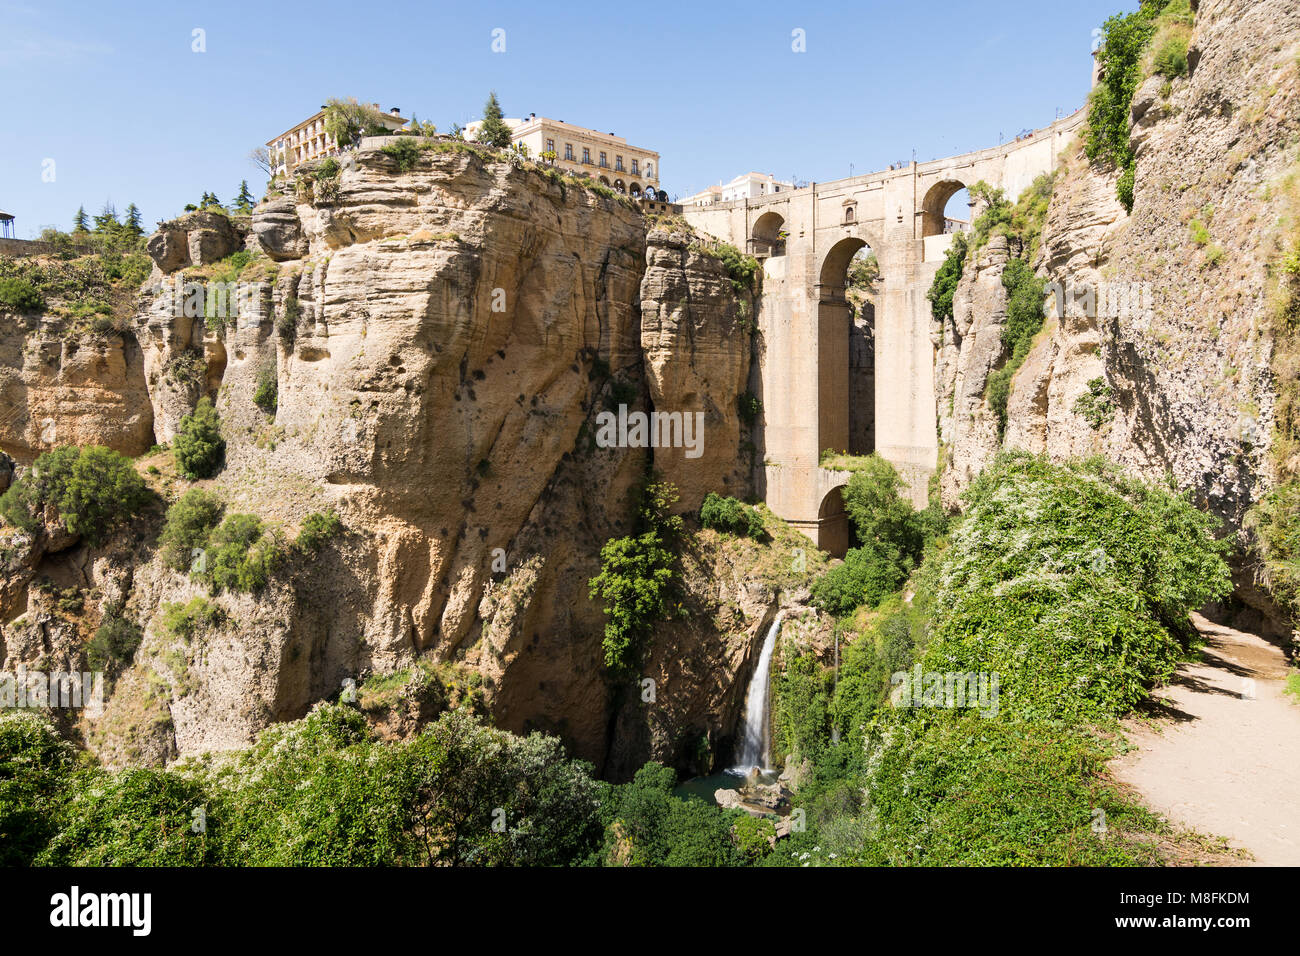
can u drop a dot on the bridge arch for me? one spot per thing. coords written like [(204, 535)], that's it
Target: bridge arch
[(765, 235), (935, 203), (846, 351)]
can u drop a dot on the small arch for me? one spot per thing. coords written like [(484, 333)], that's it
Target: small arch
[(935, 203), (634, 190), (604, 180), (766, 238), (835, 267), (833, 524), (619, 186)]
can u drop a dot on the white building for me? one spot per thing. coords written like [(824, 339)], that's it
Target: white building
[(750, 185)]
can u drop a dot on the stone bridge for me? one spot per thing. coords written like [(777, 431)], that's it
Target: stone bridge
[(827, 381)]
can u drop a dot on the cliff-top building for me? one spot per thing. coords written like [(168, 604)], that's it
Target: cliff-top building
[(747, 186), (602, 156), (308, 140)]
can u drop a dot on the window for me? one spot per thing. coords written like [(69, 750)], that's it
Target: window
[(618, 163), (586, 155), (650, 170), (550, 145), (603, 161), (568, 151), (635, 167)]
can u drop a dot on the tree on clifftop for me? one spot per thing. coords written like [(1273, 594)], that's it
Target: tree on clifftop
[(81, 222), (494, 131), (244, 201)]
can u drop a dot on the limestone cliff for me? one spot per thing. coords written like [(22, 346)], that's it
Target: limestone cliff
[(441, 338), (1165, 309)]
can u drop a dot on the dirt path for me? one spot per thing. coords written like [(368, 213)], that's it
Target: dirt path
[(1225, 758)]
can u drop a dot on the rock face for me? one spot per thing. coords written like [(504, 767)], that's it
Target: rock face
[(195, 239), (695, 335), (1173, 321), (441, 341), (59, 389)]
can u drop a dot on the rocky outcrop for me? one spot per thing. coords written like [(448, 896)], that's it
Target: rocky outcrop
[(195, 239), (441, 341), (1164, 310), (59, 388), (695, 332)]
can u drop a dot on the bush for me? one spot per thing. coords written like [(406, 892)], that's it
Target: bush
[(1171, 58), (647, 826), (287, 322), (638, 575), (114, 643), (1025, 314), (198, 445), (731, 517), (882, 518), (868, 575), (186, 620), (93, 490), (267, 393), (34, 765), (317, 528), (188, 523), (406, 152), (329, 168), (242, 554), (20, 296)]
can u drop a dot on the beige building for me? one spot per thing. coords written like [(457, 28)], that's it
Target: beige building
[(602, 156), (308, 140)]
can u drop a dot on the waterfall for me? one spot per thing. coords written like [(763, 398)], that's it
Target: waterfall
[(754, 727)]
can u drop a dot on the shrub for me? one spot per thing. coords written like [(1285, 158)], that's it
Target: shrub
[(186, 620), (34, 765), (93, 490), (945, 280), (731, 517), (242, 554), (867, 575), (20, 296), (198, 445), (329, 168), (881, 516), (1171, 57), (287, 322), (188, 524), (741, 268), (114, 643), (1096, 405), (317, 528), (1025, 314), (267, 393), (406, 152), (638, 575)]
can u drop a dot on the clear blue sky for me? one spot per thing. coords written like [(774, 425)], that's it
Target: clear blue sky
[(115, 96)]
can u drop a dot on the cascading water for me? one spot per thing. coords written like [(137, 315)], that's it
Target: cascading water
[(754, 729)]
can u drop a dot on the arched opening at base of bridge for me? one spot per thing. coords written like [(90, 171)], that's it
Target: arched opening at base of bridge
[(846, 362), (833, 525)]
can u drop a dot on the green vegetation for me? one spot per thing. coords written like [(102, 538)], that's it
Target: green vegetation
[(347, 120), (317, 528), (198, 446), (189, 619), (1025, 314), (1125, 39), (741, 268), (322, 791), (267, 393), (1097, 405), (731, 516), (945, 280), (494, 131), (891, 536), (638, 579), (242, 553), (114, 643), (1072, 584), (20, 295), (93, 490), (188, 524), (406, 152), (645, 825)]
